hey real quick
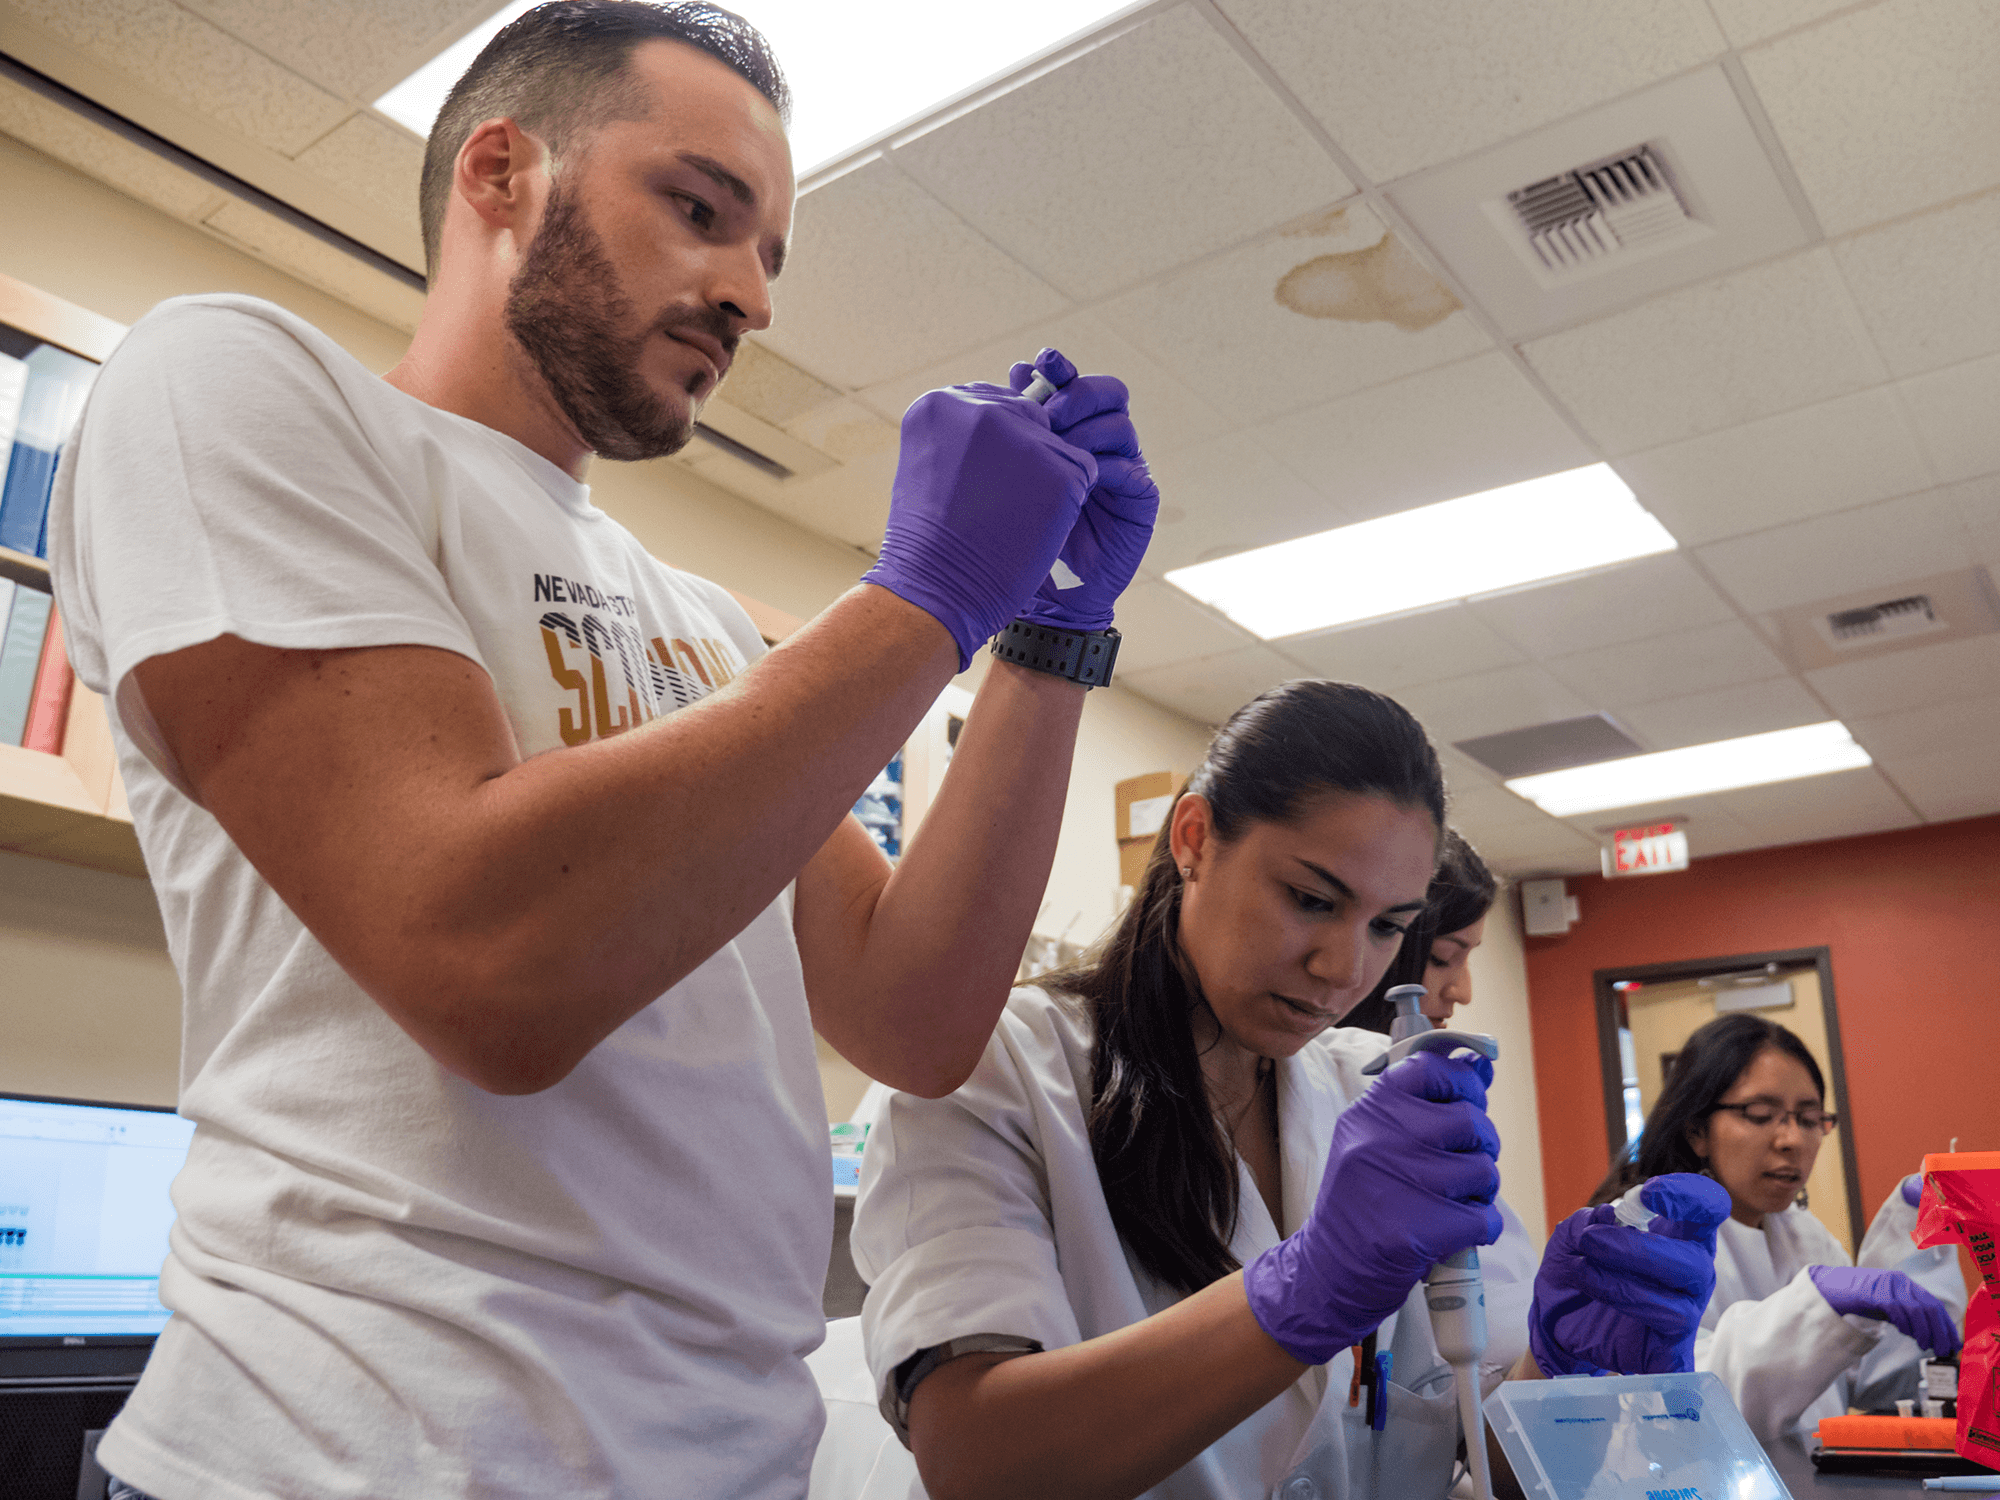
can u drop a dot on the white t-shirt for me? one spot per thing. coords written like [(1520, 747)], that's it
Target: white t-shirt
[(983, 1213), (386, 1282)]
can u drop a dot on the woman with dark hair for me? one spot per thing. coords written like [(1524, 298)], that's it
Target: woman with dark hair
[(1158, 1240), (1794, 1329), (1440, 941)]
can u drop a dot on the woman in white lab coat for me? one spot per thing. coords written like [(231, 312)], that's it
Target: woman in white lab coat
[(1056, 1303), (1794, 1329)]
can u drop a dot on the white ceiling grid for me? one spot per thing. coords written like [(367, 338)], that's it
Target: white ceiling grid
[(1200, 200)]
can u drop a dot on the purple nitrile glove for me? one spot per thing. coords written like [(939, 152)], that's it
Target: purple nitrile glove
[(985, 494), (1892, 1297), (1913, 1189), (1110, 536), (1611, 1299), (1409, 1180)]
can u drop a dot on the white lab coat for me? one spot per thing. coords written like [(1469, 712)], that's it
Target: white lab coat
[(1787, 1357), (982, 1213)]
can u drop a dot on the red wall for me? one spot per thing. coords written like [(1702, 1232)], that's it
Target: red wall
[(1913, 922)]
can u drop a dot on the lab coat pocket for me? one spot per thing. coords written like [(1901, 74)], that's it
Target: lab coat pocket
[(1411, 1458)]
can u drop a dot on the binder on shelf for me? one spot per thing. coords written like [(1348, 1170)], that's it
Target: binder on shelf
[(57, 382), (21, 659), (48, 704), (13, 384)]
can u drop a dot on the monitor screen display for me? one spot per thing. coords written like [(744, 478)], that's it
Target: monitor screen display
[(83, 1217)]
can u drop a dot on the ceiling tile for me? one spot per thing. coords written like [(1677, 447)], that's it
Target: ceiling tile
[(197, 65), (1510, 698), (314, 261), (1167, 411), (1843, 804), (1929, 287), (1229, 494), (1900, 680), (1211, 689), (1978, 503), (1889, 108), (1161, 625), (1745, 345), (1626, 603), (1747, 21), (882, 278), (1667, 666), (1532, 849), (373, 162), (1710, 821), (1403, 86), (1492, 807), (131, 169), (1962, 724), (848, 431), (1874, 546), (1392, 654), (1725, 713), (1830, 456), (849, 503), (771, 389), (1963, 782), (1954, 415), (1165, 116), (1468, 427), (343, 47), (1464, 774), (1329, 305)]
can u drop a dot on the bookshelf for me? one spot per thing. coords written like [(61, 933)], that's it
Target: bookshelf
[(71, 806)]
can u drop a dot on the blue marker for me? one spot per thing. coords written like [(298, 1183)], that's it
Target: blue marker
[(1384, 1362)]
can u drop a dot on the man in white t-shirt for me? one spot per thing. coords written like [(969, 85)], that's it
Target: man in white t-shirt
[(506, 873)]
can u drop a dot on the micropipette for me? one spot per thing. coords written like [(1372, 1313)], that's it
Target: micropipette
[(1455, 1291), (1038, 390)]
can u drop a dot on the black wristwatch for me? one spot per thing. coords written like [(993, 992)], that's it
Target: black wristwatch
[(1084, 656)]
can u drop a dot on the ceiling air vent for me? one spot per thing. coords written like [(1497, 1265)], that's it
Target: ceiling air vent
[(1607, 213), (1845, 629), (1555, 746)]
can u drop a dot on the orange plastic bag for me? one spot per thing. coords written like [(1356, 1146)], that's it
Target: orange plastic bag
[(1961, 1205)]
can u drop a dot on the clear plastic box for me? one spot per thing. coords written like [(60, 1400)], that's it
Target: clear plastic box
[(1630, 1437)]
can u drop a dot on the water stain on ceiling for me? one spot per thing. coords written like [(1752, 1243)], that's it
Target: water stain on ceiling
[(1381, 283)]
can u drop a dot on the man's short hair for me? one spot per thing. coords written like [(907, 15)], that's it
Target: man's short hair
[(559, 73)]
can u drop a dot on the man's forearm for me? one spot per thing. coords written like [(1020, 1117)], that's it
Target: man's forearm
[(510, 914), (911, 995)]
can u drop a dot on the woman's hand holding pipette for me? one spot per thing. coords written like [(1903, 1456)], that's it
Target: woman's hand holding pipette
[(1410, 1180), (1614, 1299)]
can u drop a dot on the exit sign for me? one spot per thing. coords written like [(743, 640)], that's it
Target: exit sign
[(1652, 850)]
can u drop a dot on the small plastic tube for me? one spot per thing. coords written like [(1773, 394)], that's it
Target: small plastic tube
[(1629, 1210), (1039, 390)]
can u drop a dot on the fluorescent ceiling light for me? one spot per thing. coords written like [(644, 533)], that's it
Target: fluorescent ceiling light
[(856, 69), (1478, 544), (1754, 760)]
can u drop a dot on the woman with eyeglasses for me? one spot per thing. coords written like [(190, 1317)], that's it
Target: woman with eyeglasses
[(1794, 1329)]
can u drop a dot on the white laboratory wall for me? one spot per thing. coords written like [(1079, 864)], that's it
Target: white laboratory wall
[(1500, 1007)]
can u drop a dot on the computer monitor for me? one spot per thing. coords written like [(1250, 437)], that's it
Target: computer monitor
[(84, 1213)]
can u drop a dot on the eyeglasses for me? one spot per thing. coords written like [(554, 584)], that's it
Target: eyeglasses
[(1768, 1116)]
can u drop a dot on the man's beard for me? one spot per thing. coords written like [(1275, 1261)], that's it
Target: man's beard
[(568, 312)]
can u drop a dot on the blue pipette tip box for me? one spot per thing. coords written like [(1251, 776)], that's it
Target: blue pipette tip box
[(1630, 1437)]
